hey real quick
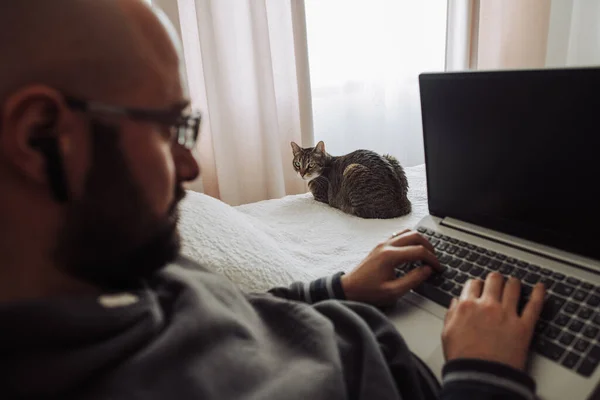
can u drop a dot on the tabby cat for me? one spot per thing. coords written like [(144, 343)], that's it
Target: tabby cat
[(361, 183)]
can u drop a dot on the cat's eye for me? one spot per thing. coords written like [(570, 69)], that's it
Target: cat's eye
[(296, 164)]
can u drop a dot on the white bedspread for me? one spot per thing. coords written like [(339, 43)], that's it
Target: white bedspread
[(274, 242)]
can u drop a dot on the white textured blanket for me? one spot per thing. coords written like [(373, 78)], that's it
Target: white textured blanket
[(274, 242)]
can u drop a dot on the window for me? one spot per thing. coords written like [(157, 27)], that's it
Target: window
[(365, 58)]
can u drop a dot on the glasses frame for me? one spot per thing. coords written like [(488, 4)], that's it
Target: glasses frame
[(184, 129)]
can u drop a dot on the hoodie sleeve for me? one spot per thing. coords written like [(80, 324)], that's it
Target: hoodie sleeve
[(466, 379), (312, 292)]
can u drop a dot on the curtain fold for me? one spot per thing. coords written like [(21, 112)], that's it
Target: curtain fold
[(242, 61)]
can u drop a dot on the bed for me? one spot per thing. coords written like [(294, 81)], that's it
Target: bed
[(275, 242)]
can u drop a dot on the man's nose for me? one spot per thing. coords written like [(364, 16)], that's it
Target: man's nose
[(186, 166)]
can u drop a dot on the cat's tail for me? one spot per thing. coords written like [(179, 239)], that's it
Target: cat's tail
[(401, 175)]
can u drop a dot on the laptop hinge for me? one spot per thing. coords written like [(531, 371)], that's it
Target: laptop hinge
[(552, 253)]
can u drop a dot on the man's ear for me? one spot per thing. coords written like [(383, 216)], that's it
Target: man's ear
[(295, 148), (28, 116), (320, 147)]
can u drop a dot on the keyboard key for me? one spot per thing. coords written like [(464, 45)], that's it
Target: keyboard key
[(548, 283), (453, 241), (562, 320), (573, 281), (533, 268), (552, 332), (546, 272), (452, 249), (436, 280), (447, 286), (422, 230), (532, 278), (590, 331), (548, 349), (434, 242), (461, 278), (558, 276), (589, 363), (570, 308), (438, 235), (490, 253), (526, 290), (501, 257), (476, 271), (483, 261), (430, 232), (433, 293), (480, 250), (456, 291), (522, 264), (580, 295), (581, 345), (446, 238), (597, 319), (511, 260), (552, 306), (462, 253), (564, 290), (445, 259), (575, 326), (465, 266), (472, 256), (571, 360), (442, 246), (449, 273), (585, 313), (471, 246), (519, 273), (463, 244), (494, 265), (505, 269), (455, 262), (587, 286), (567, 338), (541, 326), (593, 300)]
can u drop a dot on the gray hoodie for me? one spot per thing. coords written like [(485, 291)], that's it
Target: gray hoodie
[(191, 334)]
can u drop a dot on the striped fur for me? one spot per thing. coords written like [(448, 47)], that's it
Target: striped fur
[(361, 183)]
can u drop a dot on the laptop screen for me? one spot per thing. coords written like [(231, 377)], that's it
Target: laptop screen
[(517, 152)]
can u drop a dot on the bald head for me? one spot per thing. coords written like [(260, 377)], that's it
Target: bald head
[(99, 49)]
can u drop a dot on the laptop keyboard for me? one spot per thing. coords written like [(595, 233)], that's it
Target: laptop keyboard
[(568, 331)]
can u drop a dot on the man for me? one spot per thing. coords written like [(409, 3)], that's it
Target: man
[(94, 149)]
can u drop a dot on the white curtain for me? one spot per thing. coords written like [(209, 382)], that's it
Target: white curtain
[(247, 70), (538, 33), (247, 65), (365, 58)]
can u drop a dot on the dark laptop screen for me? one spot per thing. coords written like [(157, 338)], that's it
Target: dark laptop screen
[(517, 151)]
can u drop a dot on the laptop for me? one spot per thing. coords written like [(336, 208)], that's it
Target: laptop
[(513, 180)]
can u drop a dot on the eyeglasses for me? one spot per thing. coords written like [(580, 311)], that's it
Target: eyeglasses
[(184, 129)]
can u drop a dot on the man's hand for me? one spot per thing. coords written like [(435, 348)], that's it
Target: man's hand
[(483, 323), (374, 280)]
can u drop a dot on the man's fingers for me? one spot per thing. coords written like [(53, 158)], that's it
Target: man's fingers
[(533, 308), (393, 256), (409, 281), (511, 293), (472, 289), (493, 287), (411, 238)]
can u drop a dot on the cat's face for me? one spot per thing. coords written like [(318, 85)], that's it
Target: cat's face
[(309, 162)]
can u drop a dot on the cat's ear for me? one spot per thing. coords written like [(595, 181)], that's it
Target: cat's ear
[(320, 147), (295, 148)]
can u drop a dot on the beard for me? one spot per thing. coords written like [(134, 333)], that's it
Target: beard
[(110, 237)]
